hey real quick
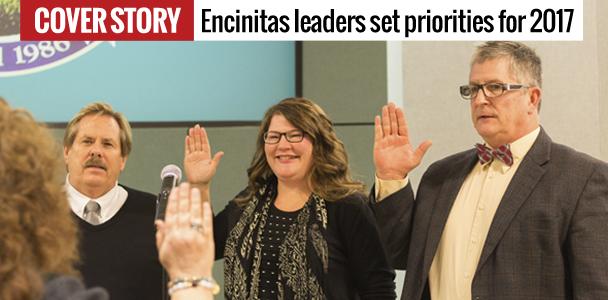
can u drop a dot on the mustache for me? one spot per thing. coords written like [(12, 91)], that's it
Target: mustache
[(95, 162)]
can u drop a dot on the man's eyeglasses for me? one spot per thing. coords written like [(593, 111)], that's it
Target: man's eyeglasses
[(490, 90), (292, 136)]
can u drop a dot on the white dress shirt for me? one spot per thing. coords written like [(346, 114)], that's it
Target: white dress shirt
[(110, 202)]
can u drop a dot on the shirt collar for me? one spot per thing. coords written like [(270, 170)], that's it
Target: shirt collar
[(519, 148), (78, 200)]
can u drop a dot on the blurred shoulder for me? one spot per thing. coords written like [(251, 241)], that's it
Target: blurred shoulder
[(67, 287)]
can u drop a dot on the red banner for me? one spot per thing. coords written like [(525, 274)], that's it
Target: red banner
[(107, 20)]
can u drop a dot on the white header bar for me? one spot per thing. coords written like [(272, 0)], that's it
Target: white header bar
[(430, 20)]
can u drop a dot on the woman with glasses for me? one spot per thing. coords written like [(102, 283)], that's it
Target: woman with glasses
[(301, 229)]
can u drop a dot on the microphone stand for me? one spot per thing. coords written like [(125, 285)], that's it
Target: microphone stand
[(164, 289)]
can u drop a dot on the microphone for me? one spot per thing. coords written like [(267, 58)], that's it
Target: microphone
[(169, 178)]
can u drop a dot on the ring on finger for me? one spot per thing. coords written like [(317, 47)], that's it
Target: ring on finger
[(197, 225)]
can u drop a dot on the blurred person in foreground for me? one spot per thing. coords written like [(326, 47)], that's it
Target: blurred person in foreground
[(302, 228), (38, 241)]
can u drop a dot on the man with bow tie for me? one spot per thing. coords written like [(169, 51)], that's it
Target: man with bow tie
[(516, 217)]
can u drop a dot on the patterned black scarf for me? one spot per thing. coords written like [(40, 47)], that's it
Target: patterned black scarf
[(303, 255)]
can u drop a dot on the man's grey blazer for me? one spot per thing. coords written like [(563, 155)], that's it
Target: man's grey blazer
[(548, 239)]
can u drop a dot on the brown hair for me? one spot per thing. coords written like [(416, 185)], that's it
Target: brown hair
[(37, 234), (100, 109), (330, 175)]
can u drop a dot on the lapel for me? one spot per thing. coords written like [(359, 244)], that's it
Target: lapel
[(456, 175), (519, 189)]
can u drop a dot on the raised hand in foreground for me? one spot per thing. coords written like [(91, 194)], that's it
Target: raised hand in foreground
[(185, 244)]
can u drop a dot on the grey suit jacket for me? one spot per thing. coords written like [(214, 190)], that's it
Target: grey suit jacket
[(548, 239)]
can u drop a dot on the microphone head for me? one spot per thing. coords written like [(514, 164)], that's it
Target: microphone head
[(171, 170)]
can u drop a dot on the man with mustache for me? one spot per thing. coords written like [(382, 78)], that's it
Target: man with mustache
[(516, 217), (118, 249)]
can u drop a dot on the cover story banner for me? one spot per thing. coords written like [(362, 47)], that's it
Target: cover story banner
[(310, 20)]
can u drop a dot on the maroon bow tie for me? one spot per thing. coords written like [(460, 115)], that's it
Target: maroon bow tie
[(502, 153)]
